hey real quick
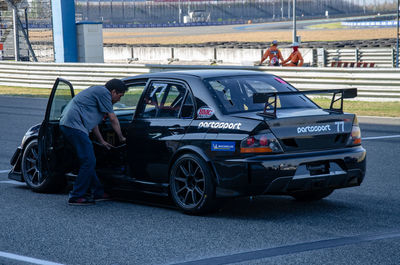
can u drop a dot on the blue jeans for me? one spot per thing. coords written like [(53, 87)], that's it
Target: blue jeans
[(87, 178)]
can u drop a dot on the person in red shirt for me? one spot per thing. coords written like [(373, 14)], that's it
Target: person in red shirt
[(273, 53), (295, 58)]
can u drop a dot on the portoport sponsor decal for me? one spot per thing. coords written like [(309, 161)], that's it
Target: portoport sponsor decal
[(205, 113), (223, 146), (316, 128), (220, 125)]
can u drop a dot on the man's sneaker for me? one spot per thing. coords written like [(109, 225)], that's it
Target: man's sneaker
[(80, 201), (104, 197)]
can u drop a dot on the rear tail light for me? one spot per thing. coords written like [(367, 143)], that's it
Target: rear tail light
[(261, 143), (355, 136)]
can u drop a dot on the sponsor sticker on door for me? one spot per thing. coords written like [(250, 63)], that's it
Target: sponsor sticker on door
[(205, 113)]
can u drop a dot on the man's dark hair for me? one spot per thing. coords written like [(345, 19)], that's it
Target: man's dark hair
[(117, 85)]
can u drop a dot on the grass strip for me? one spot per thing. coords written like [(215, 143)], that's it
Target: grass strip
[(365, 108), (361, 108), (335, 25), (25, 91)]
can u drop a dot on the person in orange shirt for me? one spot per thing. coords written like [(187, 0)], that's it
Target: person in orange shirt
[(273, 53), (295, 58)]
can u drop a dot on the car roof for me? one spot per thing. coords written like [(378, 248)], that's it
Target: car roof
[(198, 73)]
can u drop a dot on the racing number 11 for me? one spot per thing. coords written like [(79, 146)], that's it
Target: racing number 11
[(340, 126)]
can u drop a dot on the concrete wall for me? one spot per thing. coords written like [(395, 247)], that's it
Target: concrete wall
[(239, 56), (382, 57), (155, 54), (118, 54), (205, 55), (194, 54)]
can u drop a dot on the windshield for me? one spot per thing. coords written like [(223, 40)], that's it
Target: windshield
[(235, 94)]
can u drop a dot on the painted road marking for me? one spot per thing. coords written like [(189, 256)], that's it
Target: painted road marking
[(26, 259), (292, 249), (4, 171), (12, 182), (381, 137)]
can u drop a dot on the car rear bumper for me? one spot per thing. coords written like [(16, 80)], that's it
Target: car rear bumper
[(288, 173)]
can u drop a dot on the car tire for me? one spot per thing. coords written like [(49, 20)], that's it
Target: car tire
[(31, 171), (312, 195), (191, 185)]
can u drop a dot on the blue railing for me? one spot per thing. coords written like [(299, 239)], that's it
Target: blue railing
[(387, 23)]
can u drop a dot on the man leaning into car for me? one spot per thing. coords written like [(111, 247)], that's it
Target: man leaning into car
[(82, 115)]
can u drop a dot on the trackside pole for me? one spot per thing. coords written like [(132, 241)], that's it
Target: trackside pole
[(397, 48), (64, 31)]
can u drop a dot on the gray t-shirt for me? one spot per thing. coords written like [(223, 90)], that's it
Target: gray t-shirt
[(87, 109)]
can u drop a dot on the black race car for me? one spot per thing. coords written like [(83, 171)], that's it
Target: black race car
[(198, 136)]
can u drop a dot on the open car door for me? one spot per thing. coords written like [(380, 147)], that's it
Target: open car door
[(50, 142)]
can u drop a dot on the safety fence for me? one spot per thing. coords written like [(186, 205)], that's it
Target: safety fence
[(372, 83), (381, 57)]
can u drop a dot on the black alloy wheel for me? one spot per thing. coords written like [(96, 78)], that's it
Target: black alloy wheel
[(191, 185), (29, 165), (32, 173)]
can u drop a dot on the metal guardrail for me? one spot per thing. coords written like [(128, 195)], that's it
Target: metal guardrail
[(382, 57), (372, 83)]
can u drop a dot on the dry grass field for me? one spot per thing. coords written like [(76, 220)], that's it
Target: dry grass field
[(189, 35), (257, 36)]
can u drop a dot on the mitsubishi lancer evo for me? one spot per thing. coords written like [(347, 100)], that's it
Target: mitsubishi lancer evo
[(202, 135)]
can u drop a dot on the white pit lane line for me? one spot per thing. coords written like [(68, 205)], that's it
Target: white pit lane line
[(26, 259), (12, 182), (381, 137)]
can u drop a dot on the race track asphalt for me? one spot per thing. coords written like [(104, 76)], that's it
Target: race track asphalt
[(358, 225)]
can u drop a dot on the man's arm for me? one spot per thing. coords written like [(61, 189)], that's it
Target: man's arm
[(287, 60), (117, 128), (100, 138)]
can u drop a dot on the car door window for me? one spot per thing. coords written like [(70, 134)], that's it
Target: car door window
[(131, 98), (62, 96), (187, 111), (164, 100)]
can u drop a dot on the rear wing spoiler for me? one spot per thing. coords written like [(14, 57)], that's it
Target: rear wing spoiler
[(271, 98)]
